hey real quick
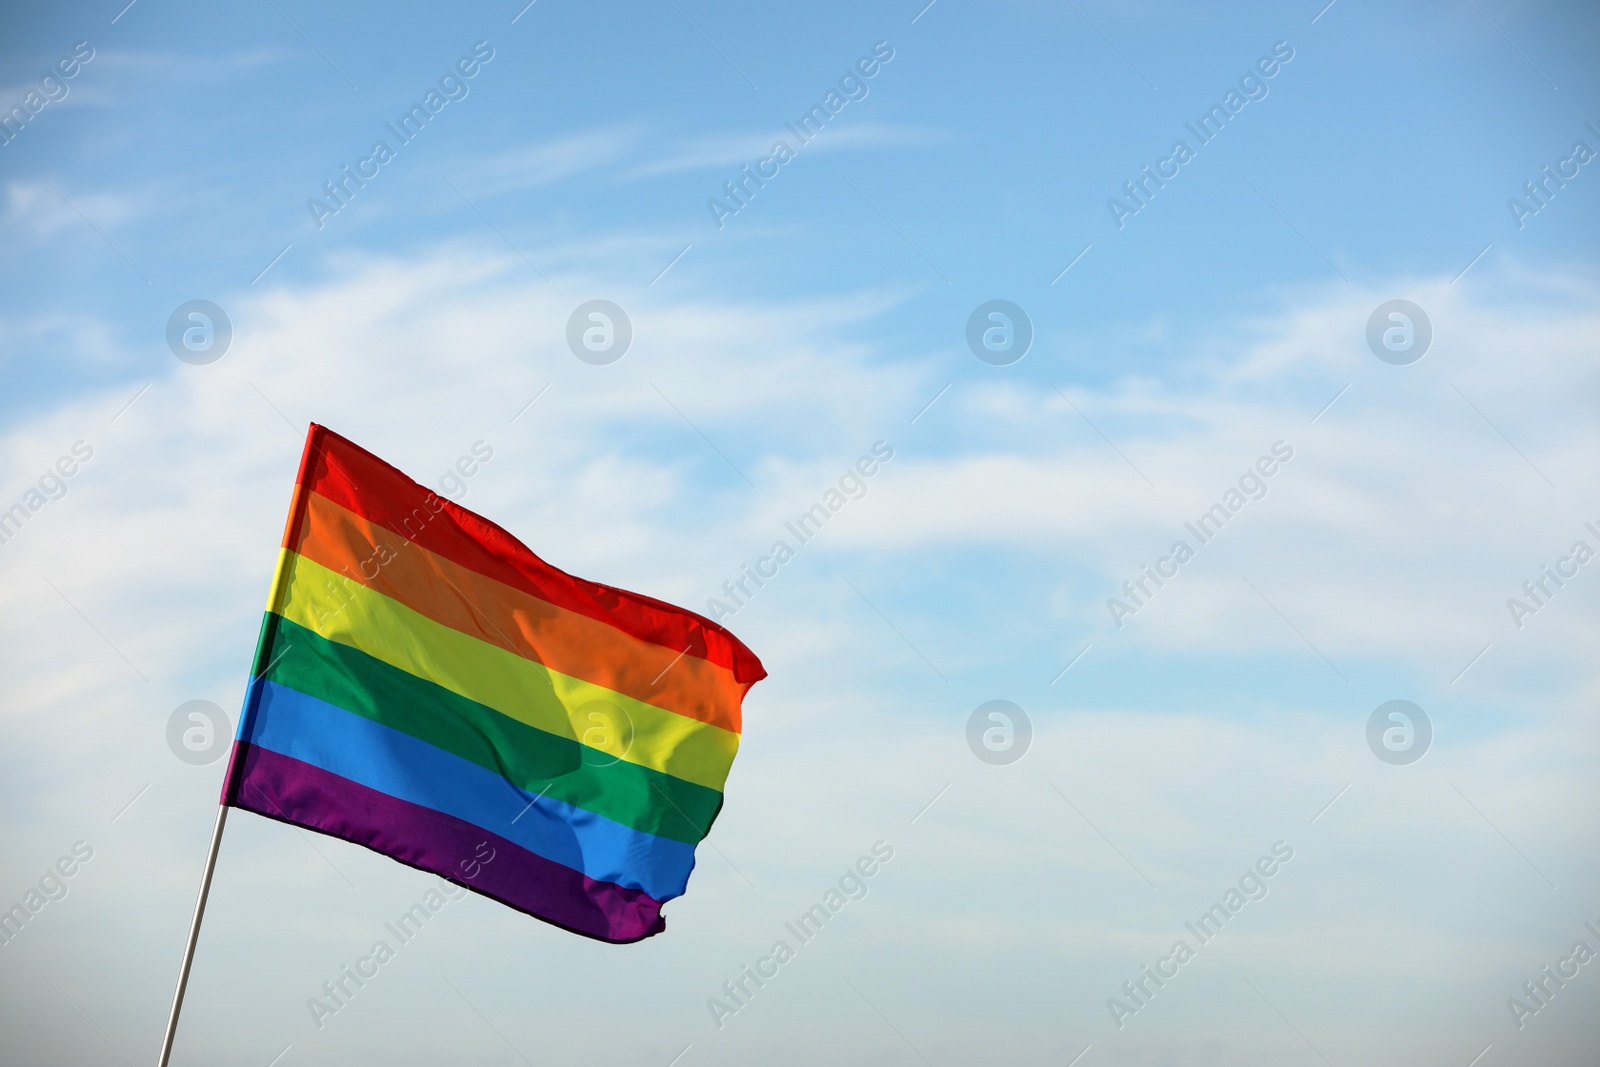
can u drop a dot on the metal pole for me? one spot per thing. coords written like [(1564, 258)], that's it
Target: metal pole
[(194, 934)]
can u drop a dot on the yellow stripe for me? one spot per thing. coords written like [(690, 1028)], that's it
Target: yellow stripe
[(280, 581), (613, 725)]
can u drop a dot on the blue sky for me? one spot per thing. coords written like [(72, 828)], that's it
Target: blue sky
[(1228, 314)]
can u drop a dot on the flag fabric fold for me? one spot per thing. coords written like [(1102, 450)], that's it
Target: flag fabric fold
[(426, 686)]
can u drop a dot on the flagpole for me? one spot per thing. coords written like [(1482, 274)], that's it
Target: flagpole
[(194, 934)]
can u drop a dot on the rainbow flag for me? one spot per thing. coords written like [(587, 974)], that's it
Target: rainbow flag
[(428, 687)]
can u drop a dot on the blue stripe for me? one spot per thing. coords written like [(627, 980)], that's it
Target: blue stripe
[(302, 727)]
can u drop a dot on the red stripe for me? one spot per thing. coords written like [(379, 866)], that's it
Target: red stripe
[(297, 506), (352, 477)]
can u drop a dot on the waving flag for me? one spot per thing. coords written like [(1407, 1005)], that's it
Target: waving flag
[(428, 687)]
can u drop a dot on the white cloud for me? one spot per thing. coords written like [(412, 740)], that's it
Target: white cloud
[(1395, 527), (1413, 508)]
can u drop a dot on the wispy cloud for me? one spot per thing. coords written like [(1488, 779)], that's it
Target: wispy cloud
[(148, 65), (734, 149), (547, 162), (34, 208)]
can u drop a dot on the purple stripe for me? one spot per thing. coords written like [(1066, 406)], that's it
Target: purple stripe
[(291, 791)]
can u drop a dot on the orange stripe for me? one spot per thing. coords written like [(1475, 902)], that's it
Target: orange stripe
[(493, 612)]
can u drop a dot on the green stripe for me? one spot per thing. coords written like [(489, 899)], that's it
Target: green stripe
[(531, 759)]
